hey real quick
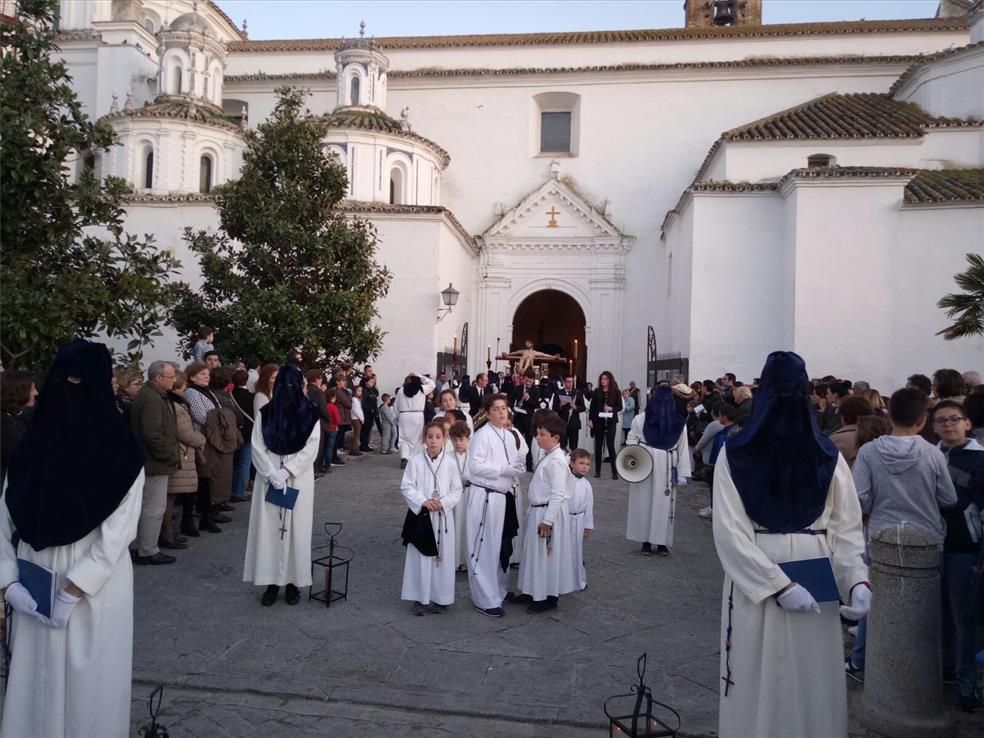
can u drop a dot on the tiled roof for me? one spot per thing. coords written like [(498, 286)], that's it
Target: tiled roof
[(139, 198), (518, 71), (363, 206), (927, 59), (859, 115), (373, 119), (945, 186), (612, 37), (179, 107)]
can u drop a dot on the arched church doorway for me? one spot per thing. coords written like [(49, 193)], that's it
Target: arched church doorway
[(554, 322)]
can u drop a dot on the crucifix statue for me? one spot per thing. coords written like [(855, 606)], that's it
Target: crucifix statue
[(553, 213)]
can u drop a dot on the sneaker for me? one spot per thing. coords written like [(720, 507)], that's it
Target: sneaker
[(492, 612), (647, 549), (706, 512), (853, 631), (852, 671)]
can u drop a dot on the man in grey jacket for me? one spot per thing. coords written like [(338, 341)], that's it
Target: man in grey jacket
[(155, 424), (901, 479)]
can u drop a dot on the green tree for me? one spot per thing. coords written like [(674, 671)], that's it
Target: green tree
[(287, 270), (67, 267), (965, 310)]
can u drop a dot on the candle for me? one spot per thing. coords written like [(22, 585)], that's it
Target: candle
[(488, 353), (575, 348), (454, 351)]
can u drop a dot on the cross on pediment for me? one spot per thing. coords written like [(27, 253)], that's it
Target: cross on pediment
[(553, 213)]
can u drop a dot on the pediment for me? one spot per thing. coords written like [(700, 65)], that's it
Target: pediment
[(555, 215)]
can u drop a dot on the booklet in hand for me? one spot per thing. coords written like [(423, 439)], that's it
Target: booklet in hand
[(285, 498), (816, 576), (40, 582)]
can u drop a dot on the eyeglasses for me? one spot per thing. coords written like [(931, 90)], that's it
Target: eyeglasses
[(952, 420)]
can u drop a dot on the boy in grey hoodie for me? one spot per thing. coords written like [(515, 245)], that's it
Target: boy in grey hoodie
[(901, 478)]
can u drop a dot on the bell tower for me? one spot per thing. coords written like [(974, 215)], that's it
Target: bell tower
[(709, 13)]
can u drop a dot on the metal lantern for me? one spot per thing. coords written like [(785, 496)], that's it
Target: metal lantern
[(336, 565), (450, 295), (631, 715)]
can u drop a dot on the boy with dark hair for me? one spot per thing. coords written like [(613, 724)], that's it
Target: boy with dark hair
[(901, 478), (965, 459), (920, 382), (545, 570)]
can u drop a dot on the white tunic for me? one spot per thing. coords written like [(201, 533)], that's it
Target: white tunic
[(582, 519), (410, 417), (520, 493), (787, 668), (75, 681), (429, 579), (273, 556), (489, 451), (461, 511), (545, 569), (652, 503)]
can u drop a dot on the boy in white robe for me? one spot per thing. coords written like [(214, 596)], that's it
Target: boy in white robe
[(460, 437), (581, 512), (431, 482), (521, 507), (545, 571)]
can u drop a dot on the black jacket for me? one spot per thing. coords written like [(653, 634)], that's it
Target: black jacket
[(598, 402), (559, 405)]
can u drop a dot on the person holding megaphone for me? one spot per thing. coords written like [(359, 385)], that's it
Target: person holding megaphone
[(661, 431)]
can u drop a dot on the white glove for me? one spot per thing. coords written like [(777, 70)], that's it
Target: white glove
[(278, 478), (797, 599), (860, 603), (61, 610), (20, 599)]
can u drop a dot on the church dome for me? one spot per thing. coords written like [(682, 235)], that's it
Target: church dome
[(191, 22)]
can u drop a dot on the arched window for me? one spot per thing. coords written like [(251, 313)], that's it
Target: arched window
[(205, 174), (354, 96), (148, 179), (149, 25), (396, 186), (205, 87), (177, 81)]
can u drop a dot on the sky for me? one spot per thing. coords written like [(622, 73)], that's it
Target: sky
[(282, 19)]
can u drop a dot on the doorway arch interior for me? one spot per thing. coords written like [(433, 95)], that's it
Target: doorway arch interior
[(553, 320)]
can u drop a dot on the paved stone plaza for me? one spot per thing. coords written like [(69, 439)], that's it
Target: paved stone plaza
[(369, 667)]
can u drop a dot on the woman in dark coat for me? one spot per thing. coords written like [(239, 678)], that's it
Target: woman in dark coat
[(606, 404)]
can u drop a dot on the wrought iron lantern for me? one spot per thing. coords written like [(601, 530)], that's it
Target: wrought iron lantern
[(632, 715), (449, 296), (336, 566)]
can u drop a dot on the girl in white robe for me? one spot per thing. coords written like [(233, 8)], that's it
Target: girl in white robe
[(278, 543), (652, 502), (432, 480), (410, 401), (581, 513)]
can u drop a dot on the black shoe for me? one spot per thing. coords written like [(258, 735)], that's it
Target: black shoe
[(188, 529), (365, 449), (852, 671), (519, 599), (207, 524), (337, 462), (543, 605), (968, 702), (419, 609), (270, 595), (403, 463), (220, 518), (615, 475), (597, 475), (292, 595), (318, 475), (224, 507), (662, 551), (436, 609), (158, 559), (647, 549), (244, 498), (171, 545), (492, 612), (179, 539)]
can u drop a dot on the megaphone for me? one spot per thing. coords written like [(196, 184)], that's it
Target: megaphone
[(634, 464)]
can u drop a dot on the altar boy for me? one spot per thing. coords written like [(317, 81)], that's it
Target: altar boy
[(545, 571), (460, 437), (581, 513)]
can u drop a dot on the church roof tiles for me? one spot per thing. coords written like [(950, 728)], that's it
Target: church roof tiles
[(610, 37), (373, 119), (945, 186), (179, 107), (859, 115)]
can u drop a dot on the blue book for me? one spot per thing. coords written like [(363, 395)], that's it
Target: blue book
[(40, 582), (285, 498), (816, 576)]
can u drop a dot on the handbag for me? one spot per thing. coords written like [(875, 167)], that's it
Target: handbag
[(285, 498)]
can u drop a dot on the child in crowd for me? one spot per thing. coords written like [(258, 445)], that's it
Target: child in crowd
[(725, 415), (387, 421), (581, 512), (432, 488), (900, 478), (522, 449), (965, 461), (545, 571), (460, 437), (331, 432)]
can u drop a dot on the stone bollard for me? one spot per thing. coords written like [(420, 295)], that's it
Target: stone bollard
[(903, 679)]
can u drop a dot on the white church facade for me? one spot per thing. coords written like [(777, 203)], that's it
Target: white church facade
[(712, 192)]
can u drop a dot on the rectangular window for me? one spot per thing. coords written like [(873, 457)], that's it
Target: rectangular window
[(555, 133)]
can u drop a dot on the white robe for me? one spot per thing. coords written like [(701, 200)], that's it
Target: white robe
[(461, 511), (410, 417), (428, 579), (787, 668), (489, 451), (582, 519), (75, 681), (545, 569), (652, 503), (271, 559), (521, 503)]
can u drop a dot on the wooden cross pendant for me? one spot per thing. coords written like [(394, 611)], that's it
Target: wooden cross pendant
[(283, 526)]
